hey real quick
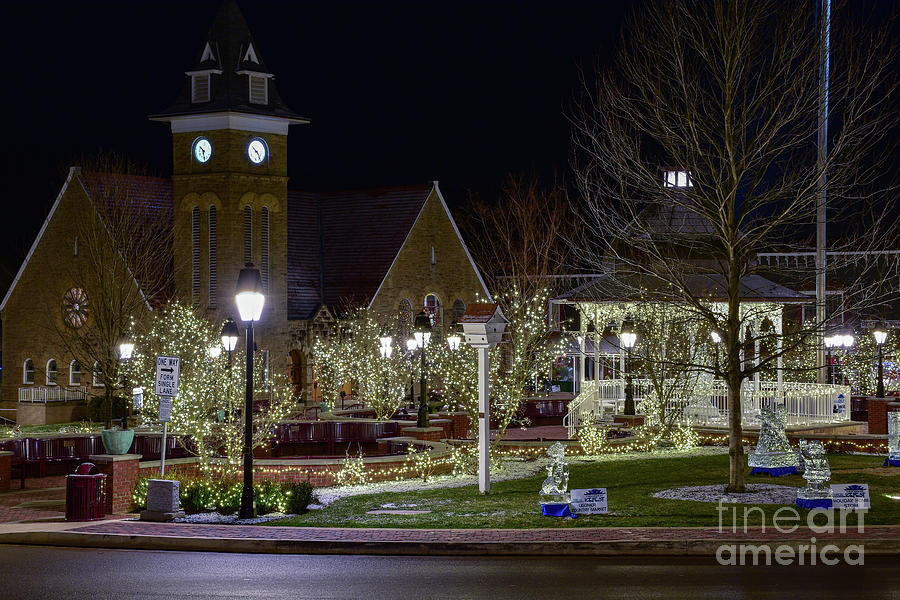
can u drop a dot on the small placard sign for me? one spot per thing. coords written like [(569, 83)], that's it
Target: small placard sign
[(165, 409), (851, 496), (589, 502), (839, 404)]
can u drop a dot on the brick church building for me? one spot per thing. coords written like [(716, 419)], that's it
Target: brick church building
[(395, 250)]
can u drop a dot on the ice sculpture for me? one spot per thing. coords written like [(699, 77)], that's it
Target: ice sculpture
[(774, 455), (893, 459), (816, 494), (554, 490)]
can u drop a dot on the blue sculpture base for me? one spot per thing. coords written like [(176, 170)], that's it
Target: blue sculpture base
[(774, 471), (891, 463), (557, 510), (815, 503)]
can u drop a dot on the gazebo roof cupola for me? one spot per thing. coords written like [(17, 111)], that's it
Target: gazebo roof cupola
[(228, 75)]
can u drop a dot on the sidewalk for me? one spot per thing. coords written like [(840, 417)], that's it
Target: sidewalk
[(659, 541)]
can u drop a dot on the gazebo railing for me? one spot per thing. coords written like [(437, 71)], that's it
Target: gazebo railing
[(805, 403)]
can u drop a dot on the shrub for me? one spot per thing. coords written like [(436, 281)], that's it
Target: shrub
[(299, 497)]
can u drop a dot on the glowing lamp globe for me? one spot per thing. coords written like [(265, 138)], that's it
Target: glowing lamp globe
[(249, 294), (716, 338), (126, 349), (880, 335), (628, 336), (230, 335)]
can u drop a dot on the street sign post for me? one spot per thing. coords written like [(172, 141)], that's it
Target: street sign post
[(167, 371)]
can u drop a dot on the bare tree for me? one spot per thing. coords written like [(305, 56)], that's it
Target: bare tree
[(518, 243), (122, 266), (726, 93)]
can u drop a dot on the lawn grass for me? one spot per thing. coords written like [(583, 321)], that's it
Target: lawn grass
[(630, 483)]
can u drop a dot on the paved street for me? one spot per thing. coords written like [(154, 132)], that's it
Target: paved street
[(49, 573)]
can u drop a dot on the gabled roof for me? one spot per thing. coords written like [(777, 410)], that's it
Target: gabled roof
[(753, 288), (228, 53), (149, 202), (344, 243)]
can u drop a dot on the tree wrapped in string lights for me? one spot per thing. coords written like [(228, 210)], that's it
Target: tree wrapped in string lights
[(208, 405), (356, 352)]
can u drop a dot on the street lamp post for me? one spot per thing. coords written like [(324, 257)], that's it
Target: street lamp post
[(422, 336), (229, 336), (880, 334), (628, 338), (249, 299), (830, 342), (845, 340), (411, 348), (126, 350)]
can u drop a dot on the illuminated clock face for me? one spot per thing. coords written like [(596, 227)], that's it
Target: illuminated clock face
[(256, 151), (202, 150)]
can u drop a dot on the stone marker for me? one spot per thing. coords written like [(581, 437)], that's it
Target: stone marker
[(162, 501)]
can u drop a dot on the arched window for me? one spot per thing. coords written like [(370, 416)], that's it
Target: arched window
[(74, 373), (264, 247), (459, 309), (28, 372), (433, 309), (97, 380), (52, 372), (195, 256), (404, 318), (213, 256), (248, 234)]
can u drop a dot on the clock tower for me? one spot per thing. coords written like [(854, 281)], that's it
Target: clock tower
[(229, 177)]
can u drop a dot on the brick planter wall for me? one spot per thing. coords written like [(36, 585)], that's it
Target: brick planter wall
[(426, 434), (460, 424), (121, 472), (318, 472), (878, 415), (5, 471)]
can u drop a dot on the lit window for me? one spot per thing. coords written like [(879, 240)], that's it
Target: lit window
[(98, 375), (459, 309), (28, 372), (51, 372), (199, 88), (433, 309), (677, 179), (74, 373)]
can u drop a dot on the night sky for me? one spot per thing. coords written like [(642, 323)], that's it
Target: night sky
[(398, 93)]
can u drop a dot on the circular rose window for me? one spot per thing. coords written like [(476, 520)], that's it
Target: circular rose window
[(75, 307)]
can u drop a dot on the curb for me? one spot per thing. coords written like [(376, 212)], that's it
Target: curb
[(876, 547)]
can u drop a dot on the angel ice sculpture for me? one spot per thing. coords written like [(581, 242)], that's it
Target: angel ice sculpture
[(773, 455), (554, 490)]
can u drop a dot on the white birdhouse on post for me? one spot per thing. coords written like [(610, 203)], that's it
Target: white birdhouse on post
[(483, 326)]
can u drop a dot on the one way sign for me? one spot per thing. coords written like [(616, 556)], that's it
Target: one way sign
[(167, 368)]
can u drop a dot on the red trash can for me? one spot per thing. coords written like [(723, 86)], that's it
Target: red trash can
[(85, 494)]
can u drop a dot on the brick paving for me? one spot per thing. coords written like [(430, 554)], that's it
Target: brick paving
[(363, 535)]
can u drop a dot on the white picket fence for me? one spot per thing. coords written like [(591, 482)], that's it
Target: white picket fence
[(805, 403)]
